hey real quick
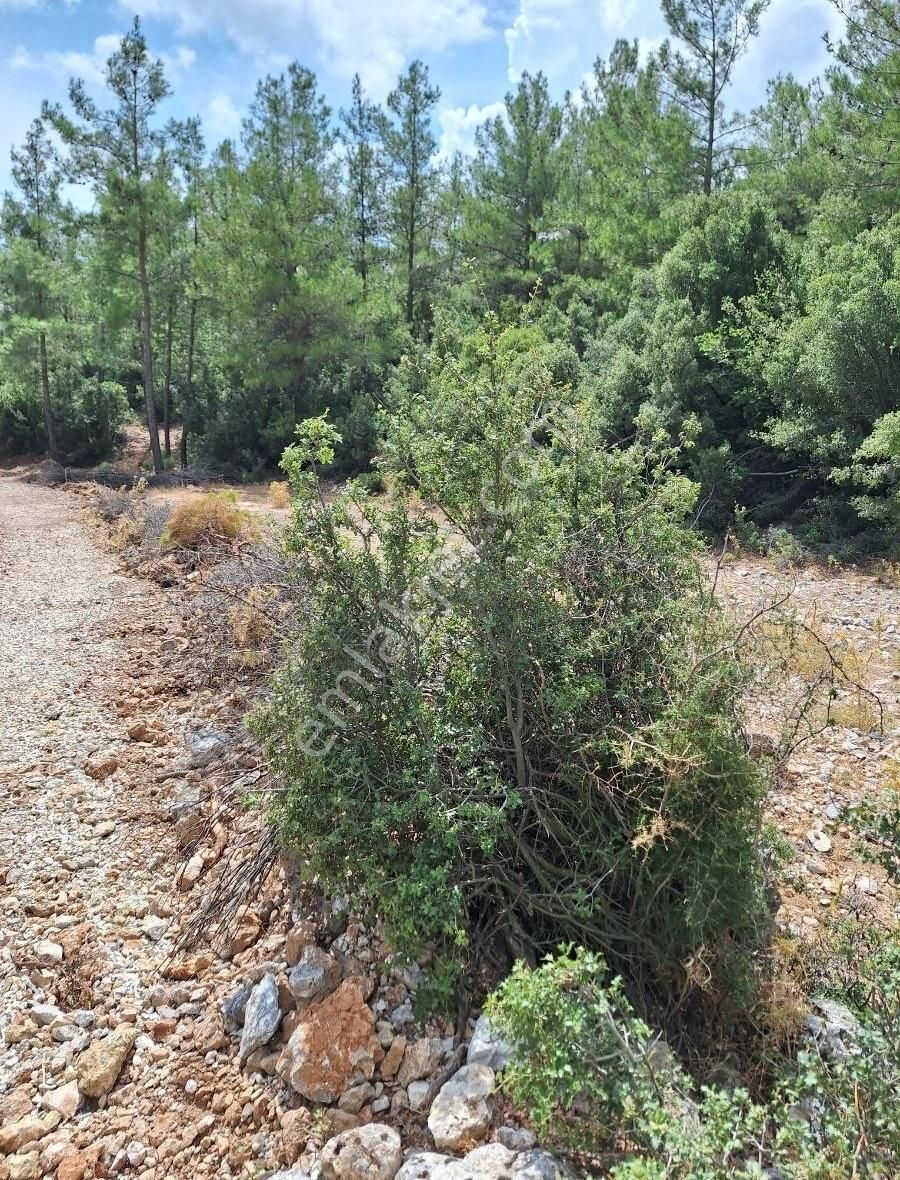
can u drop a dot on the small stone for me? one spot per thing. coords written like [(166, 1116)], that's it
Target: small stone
[(235, 1007), (247, 930), (24, 1167), (417, 1095), (420, 1060), (44, 1014), (101, 766), (356, 1097), (16, 1135), (300, 936), (47, 953), (205, 746), (393, 1057), (73, 1167), (819, 840), (372, 1152), (65, 1100), (333, 1047), (135, 1153)]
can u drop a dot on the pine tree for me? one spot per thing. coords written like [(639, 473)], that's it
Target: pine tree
[(715, 35), (31, 226), (410, 146), (117, 150), (365, 179), (516, 177)]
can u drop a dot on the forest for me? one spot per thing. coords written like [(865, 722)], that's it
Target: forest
[(728, 278)]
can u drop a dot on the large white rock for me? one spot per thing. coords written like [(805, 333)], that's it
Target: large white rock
[(491, 1161), (487, 1047), (463, 1112), (372, 1152)]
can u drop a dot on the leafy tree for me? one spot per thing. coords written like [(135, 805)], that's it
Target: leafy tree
[(665, 357), (714, 34)]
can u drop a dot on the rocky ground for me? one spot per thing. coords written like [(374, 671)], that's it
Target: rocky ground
[(291, 1048), (854, 758)]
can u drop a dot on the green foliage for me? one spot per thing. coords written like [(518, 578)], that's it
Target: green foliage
[(596, 1083), (520, 727)]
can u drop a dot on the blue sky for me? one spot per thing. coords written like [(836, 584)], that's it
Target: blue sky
[(215, 50)]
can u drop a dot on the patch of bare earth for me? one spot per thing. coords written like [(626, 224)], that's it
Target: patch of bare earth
[(853, 757)]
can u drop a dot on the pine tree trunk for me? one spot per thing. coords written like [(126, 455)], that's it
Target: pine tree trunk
[(49, 423), (167, 398), (147, 349), (189, 379)]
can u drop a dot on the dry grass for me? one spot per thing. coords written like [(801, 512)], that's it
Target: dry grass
[(279, 494), (205, 520)]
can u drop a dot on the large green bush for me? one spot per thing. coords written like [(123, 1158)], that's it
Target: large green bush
[(510, 719)]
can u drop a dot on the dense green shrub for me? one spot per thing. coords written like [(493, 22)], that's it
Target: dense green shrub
[(596, 1083), (89, 414), (518, 726)]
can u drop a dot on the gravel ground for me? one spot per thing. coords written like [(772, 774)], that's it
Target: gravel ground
[(94, 708)]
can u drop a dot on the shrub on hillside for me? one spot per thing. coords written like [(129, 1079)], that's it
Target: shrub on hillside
[(518, 728), (595, 1083), (207, 519)]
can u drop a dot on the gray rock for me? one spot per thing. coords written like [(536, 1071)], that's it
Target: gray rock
[(44, 1014), (205, 746), (463, 1112), (833, 1027), (516, 1138), (490, 1162), (185, 800), (540, 1165), (487, 1047), (372, 1152), (417, 1094), (261, 1018), (235, 1007), (316, 975), (429, 1165)]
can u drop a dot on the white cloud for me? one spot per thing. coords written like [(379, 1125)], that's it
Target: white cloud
[(182, 58), (557, 36), (223, 119), (376, 39), (73, 63), (459, 124)]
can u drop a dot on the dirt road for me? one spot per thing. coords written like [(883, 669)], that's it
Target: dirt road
[(93, 712)]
